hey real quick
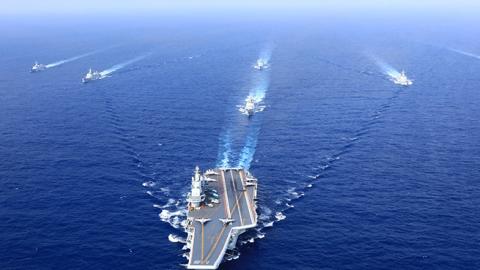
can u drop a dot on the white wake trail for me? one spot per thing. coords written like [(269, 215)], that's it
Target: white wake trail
[(465, 53), (266, 53), (225, 151), (122, 65), (260, 90), (386, 68), (61, 62), (248, 151), (258, 93)]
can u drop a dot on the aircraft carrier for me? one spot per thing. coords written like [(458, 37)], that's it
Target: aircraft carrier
[(221, 206)]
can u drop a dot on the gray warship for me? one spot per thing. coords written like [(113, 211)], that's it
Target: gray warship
[(221, 206)]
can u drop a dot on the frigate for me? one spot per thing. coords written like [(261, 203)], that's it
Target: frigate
[(38, 67), (261, 64), (402, 79), (249, 107), (92, 76)]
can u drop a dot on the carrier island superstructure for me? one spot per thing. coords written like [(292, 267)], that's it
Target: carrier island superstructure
[(221, 206)]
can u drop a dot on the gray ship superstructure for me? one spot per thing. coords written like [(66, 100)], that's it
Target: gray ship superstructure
[(221, 206), (261, 64), (402, 79), (251, 106), (92, 76), (38, 67)]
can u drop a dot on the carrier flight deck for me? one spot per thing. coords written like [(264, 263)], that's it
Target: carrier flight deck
[(221, 206)]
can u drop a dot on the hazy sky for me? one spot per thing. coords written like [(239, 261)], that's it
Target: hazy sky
[(14, 7)]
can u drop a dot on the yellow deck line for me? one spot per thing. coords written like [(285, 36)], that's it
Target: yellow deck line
[(227, 203), (202, 241), (251, 208), (219, 235), (236, 198), (228, 212)]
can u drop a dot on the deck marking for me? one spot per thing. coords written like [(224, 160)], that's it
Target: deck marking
[(214, 247), (247, 200), (236, 197), (216, 243), (202, 243), (193, 243), (213, 240), (227, 203), (214, 213)]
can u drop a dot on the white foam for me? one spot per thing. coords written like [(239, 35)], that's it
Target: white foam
[(265, 213), (178, 202), (166, 215), (280, 216), (296, 195), (184, 223), (176, 239), (149, 184), (268, 224), (233, 257), (169, 203), (175, 222)]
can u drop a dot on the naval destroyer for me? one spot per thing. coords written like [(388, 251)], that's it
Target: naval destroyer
[(221, 206), (92, 76), (402, 79), (38, 67), (261, 64)]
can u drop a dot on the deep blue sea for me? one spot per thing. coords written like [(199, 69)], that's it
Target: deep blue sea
[(369, 174)]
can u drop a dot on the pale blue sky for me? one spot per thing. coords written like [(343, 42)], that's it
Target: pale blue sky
[(14, 7)]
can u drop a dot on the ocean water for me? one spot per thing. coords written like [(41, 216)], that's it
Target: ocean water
[(366, 174)]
